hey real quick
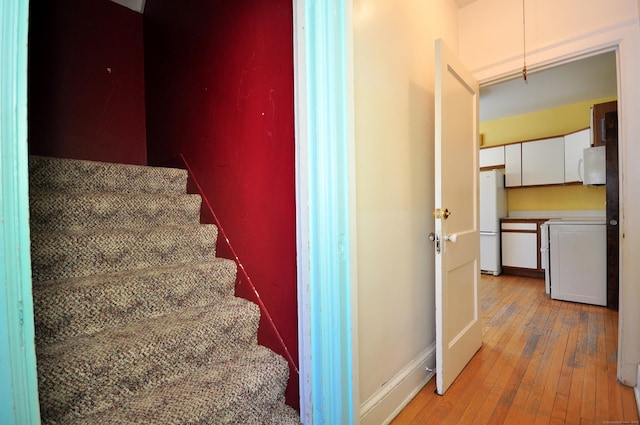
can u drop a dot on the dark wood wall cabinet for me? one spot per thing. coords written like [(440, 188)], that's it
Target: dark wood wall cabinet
[(599, 127)]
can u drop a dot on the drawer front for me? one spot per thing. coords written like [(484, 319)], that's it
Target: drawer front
[(533, 227)]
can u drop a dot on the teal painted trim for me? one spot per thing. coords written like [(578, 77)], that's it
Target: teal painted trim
[(18, 376), (328, 184)]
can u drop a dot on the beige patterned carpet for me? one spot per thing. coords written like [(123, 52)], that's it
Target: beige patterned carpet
[(136, 318)]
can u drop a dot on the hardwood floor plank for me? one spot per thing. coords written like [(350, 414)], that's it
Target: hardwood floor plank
[(491, 411), (570, 330), (614, 395), (559, 411), (422, 401), (577, 362), (543, 396), (589, 347), (629, 408), (538, 331), (542, 361), (526, 404), (602, 379)]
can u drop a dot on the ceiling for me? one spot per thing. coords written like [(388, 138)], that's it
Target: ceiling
[(594, 77), (462, 3)]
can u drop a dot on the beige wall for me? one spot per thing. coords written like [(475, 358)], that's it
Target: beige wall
[(491, 30), (491, 46), (394, 133)]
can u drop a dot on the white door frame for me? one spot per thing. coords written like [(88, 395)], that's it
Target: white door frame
[(625, 40)]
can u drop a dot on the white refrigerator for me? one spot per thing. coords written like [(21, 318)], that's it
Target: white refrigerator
[(493, 206)]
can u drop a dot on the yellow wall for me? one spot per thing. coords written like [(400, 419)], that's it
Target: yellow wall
[(557, 198), (538, 125)]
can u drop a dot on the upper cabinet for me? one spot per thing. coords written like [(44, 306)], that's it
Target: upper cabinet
[(597, 117), (492, 157), (543, 162), (555, 160), (574, 146), (513, 165)]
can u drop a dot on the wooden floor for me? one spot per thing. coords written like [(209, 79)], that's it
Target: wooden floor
[(542, 362)]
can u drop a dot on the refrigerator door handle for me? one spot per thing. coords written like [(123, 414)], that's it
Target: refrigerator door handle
[(488, 233)]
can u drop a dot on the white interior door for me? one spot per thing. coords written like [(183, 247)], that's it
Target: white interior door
[(458, 325)]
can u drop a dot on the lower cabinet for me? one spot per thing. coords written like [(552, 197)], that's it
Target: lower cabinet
[(521, 246)]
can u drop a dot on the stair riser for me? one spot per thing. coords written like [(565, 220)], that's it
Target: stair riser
[(82, 378), (84, 306), (68, 175), (67, 255), (64, 211)]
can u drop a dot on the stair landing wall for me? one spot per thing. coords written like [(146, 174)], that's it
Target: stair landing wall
[(86, 81), (226, 104)]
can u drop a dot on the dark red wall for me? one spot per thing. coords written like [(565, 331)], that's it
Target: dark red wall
[(86, 81), (219, 86)]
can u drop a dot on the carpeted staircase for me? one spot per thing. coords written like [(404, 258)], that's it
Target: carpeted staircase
[(136, 318)]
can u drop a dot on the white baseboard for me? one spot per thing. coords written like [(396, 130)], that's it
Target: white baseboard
[(391, 398)]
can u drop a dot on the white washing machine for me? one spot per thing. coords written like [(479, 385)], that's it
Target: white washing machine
[(574, 252)]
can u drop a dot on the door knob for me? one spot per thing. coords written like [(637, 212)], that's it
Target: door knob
[(451, 238), (441, 213)]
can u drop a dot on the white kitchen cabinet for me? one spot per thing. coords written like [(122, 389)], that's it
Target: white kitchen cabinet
[(513, 165), (519, 250), (574, 144), (543, 162), (492, 157), (521, 246)]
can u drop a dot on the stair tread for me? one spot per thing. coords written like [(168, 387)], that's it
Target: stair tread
[(84, 305), (136, 318), (58, 255), (75, 211), (82, 175), (92, 372), (220, 393)]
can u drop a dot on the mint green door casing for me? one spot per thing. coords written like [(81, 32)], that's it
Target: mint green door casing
[(324, 144), (18, 376)]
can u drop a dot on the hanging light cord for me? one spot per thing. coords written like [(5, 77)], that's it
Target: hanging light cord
[(524, 45)]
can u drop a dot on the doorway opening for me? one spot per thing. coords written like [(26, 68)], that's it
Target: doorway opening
[(556, 101)]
